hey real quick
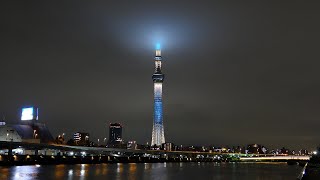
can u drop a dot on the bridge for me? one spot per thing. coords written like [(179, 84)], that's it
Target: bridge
[(21, 152), (273, 158)]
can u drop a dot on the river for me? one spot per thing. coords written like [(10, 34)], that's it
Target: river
[(155, 171)]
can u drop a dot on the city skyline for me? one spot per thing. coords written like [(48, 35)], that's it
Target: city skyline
[(238, 75)]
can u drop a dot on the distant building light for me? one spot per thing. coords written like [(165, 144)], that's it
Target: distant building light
[(315, 152), (81, 138), (18, 151)]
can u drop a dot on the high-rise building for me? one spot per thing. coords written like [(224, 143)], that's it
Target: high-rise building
[(81, 138), (115, 133), (157, 77)]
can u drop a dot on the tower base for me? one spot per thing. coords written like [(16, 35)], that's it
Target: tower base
[(157, 135)]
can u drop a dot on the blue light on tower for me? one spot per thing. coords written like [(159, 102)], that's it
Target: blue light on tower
[(158, 77), (158, 47)]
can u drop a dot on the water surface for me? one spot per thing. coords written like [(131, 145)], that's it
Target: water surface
[(161, 171)]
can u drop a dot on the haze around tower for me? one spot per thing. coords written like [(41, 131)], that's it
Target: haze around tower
[(233, 66)]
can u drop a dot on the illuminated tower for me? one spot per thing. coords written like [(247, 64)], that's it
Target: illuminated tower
[(157, 77)]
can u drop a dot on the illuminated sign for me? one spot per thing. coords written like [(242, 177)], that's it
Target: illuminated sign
[(29, 113)]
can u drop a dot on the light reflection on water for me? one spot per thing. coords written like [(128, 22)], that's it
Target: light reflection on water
[(137, 171), (59, 171), (24, 172), (132, 171), (70, 173)]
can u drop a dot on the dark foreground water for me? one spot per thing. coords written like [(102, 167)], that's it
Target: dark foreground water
[(133, 171)]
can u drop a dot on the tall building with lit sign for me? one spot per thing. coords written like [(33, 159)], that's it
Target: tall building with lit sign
[(157, 77), (29, 114), (28, 130)]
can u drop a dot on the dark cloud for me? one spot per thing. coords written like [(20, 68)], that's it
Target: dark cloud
[(236, 73)]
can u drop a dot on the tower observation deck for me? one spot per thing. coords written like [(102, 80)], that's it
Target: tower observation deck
[(157, 77)]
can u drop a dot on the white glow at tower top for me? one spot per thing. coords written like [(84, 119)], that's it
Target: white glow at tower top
[(158, 50)]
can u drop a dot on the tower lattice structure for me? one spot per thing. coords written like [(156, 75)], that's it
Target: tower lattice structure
[(158, 77)]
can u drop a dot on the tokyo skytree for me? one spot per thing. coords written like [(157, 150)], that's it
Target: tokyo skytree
[(157, 77)]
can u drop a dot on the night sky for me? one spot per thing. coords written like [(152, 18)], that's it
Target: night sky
[(236, 72)]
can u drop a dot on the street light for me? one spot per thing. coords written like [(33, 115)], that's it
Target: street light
[(34, 132), (98, 142)]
